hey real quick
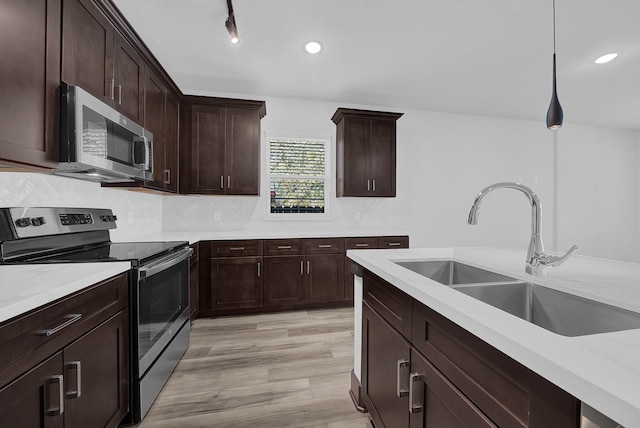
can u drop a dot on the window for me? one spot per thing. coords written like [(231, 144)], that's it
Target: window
[(297, 176)]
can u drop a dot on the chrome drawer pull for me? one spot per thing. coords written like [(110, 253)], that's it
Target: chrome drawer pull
[(413, 406), (400, 391), (236, 248), (75, 365), (259, 269), (325, 246), (362, 245), (71, 319), (394, 244), (59, 409), (284, 247)]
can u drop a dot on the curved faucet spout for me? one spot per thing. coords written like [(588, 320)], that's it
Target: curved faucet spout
[(537, 260)]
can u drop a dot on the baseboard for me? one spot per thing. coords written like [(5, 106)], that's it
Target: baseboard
[(356, 394)]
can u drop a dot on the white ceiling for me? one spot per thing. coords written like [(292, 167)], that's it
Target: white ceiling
[(486, 57)]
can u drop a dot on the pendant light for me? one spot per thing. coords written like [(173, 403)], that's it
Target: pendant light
[(230, 24), (554, 114)]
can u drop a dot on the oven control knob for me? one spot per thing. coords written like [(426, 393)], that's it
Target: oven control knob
[(23, 222), (37, 221)]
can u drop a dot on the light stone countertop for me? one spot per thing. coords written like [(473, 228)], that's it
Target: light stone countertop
[(194, 237), (602, 370), (27, 287)]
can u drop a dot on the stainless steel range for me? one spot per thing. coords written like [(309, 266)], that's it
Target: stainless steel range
[(158, 283)]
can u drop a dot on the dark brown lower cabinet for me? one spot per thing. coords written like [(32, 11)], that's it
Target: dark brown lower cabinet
[(421, 370), (84, 385), (283, 282), (236, 283), (324, 280)]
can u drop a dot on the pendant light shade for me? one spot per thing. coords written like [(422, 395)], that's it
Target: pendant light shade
[(554, 114), (230, 24)]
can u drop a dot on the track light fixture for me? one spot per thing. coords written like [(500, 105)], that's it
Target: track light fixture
[(554, 114), (230, 24)]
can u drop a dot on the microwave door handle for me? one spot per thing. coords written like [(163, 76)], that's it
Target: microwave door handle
[(138, 150), (148, 154)]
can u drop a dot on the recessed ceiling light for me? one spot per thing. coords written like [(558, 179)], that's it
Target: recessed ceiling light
[(313, 47), (606, 58)]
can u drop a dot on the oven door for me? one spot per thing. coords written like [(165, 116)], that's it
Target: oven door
[(161, 306)]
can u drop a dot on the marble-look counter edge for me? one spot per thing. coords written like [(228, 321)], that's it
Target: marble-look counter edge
[(601, 370), (27, 287)]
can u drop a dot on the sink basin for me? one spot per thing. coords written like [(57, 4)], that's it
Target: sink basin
[(449, 272), (558, 312)]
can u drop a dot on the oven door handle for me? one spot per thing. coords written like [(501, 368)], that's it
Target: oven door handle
[(164, 263)]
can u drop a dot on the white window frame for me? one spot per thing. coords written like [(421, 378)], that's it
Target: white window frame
[(328, 183)]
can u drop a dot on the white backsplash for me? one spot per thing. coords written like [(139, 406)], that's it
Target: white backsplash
[(138, 213)]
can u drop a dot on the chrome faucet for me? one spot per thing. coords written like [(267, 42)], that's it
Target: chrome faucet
[(537, 260)]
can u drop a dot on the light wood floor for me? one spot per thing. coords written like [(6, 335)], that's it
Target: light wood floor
[(279, 370)]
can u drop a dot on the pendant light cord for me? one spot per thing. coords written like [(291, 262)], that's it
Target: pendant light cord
[(554, 27)]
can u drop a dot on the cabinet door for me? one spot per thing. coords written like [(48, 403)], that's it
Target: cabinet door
[(236, 283), (242, 152), (356, 174), (36, 399), (436, 402), (208, 150), (128, 75), (154, 94), (324, 279), (385, 371), (382, 157), (87, 48), (171, 113), (29, 79), (283, 280), (96, 373)]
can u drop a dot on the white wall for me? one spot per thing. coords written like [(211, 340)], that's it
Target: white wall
[(598, 191), (138, 213)]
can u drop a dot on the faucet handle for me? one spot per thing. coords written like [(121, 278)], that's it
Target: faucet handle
[(555, 261)]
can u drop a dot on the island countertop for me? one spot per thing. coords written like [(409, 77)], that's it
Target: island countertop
[(602, 370)]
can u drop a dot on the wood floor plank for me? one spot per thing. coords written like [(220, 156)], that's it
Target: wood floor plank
[(279, 370)]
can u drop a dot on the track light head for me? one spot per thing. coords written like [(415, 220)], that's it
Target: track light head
[(230, 24)]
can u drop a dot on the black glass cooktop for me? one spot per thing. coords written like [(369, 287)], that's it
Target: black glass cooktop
[(136, 252)]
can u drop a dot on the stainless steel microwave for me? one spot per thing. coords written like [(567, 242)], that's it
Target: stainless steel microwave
[(98, 143)]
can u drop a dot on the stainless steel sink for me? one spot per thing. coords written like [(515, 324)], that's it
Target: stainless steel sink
[(558, 312), (449, 272)]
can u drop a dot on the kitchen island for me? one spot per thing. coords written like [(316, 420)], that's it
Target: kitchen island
[(601, 370)]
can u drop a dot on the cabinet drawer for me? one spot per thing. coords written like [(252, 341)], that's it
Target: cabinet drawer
[(30, 338), (282, 247), (324, 246), (393, 242), (507, 392), (365, 243), (236, 248), (393, 304)]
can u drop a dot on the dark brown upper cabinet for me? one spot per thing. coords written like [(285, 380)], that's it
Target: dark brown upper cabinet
[(96, 57), (366, 152), (29, 80), (220, 146)]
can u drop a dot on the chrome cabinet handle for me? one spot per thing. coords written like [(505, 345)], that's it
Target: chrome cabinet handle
[(259, 269), (362, 245), (51, 410), (236, 248), (75, 365), (113, 89), (301, 267), (374, 185), (394, 244), (222, 182), (284, 247), (70, 320), (119, 95), (415, 407), (368, 185), (228, 182), (401, 365), (308, 267), (325, 246), (167, 176)]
